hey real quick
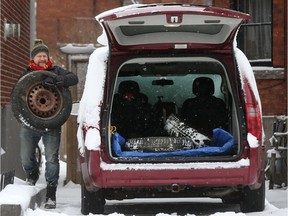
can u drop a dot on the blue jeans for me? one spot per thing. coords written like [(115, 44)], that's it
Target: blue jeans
[(29, 139)]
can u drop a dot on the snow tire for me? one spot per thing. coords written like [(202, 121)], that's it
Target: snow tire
[(38, 107)]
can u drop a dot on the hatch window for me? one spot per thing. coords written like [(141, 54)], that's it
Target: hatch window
[(201, 29)]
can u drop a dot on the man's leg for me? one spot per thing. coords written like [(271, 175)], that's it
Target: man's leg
[(51, 140), (28, 141)]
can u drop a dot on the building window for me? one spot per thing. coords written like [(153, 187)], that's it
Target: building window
[(255, 36)]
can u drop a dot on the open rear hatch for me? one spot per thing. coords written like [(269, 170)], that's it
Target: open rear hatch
[(140, 27), (166, 28)]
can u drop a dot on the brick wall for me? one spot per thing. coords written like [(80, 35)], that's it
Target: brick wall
[(223, 4), (273, 96), (14, 55), (68, 22), (14, 50), (278, 50), (274, 92)]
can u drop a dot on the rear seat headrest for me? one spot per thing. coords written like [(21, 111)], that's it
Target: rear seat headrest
[(203, 86), (128, 86)]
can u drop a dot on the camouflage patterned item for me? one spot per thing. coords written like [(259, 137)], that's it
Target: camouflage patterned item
[(159, 144), (182, 137), (179, 129)]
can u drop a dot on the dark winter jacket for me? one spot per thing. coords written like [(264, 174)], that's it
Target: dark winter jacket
[(68, 77)]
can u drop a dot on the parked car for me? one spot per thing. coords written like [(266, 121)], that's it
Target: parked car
[(171, 109)]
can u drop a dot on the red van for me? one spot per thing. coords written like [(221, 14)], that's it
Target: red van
[(170, 109)]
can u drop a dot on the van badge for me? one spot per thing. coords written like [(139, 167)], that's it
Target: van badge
[(173, 18)]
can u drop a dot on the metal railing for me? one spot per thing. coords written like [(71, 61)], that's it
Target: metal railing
[(276, 169)]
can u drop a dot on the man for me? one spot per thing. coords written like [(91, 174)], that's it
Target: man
[(30, 138)]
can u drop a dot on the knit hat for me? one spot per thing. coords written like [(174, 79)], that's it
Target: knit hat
[(39, 46)]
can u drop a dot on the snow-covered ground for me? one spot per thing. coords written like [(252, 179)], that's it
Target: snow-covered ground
[(69, 202)]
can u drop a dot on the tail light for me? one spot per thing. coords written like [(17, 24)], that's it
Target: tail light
[(254, 120), (253, 112)]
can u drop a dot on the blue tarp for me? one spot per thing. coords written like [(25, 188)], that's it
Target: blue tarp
[(222, 144)]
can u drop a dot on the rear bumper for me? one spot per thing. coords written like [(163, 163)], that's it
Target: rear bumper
[(98, 174), (195, 177)]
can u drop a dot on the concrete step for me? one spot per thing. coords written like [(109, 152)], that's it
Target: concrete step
[(14, 209)]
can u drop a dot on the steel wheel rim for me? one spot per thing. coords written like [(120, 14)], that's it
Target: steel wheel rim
[(43, 102)]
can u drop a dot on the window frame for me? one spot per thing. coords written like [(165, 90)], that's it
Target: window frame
[(242, 38)]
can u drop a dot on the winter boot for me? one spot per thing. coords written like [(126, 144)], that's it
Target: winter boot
[(50, 197), (33, 177)]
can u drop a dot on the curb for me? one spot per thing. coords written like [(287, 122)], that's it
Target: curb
[(16, 209), (10, 209)]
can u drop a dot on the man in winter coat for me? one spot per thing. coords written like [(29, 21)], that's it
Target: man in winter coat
[(30, 138)]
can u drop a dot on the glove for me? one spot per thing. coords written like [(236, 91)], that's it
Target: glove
[(48, 82), (60, 81)]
